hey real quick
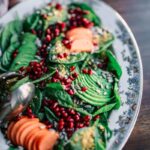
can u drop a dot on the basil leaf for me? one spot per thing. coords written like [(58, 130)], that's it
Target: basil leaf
[(50, 115), (40, 116), (105, 109)]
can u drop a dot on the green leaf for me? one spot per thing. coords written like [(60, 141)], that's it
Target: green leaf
[(31, 22), (117, 96), (112, 65), (27, 52), (105, 109), (37, 101), (11, 29), (20, 82), (40, 116), (50, 115), (63, 98), (56, 86), (82, 111)]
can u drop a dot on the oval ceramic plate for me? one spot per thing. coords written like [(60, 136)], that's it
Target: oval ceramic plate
[(126, 50)]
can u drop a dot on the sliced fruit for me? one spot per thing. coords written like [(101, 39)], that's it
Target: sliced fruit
[(15, 128), (79, 36), (82, 45), (10, 129), (47, 141), (23, 127), (32, 138), (80, 31), (29, 131)]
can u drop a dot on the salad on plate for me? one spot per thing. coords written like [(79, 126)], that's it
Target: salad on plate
[(68, 54)]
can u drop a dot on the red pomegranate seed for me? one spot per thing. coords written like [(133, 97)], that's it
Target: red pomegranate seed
[(76, 117), (61, 124), (54, 80), (65, 55), (80, 125), (48, 31), (71, 112), (62, 26), (49, 126), (70, 125), (56, 109), (87, 123), (84, 89), (85, 71), (57, 32), (69, 119), (64, 114), (33, 31), (97, 117), (48, 38), (60, 56), (87, 118), (90, 72), (72, 68), (58, 6), (70, 92), (75, 75), (58, 114)]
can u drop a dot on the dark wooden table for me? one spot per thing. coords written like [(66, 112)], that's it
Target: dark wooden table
[(137, 15)]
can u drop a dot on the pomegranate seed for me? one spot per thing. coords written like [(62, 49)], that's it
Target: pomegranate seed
[(56, 109), (71, 112), (80, 125), (58, 114), (70, 125), (48, 38), (33, 31), (87, 118), (90, 72), (64, 114), (100, 65), (76, 117), (85, 71), (97, 117), (84, 89), (68, 45), (49, 126), (54, 80), (69, 119), (31, 115), (65, 55), (57, 32), (65, 41), (48, 31), (70, 92), (60, 56), (72, 68), (58, 6), (62, 26), (75, 75), (87, 123)]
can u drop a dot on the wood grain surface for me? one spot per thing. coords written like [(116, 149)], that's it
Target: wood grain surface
[(137, 15)]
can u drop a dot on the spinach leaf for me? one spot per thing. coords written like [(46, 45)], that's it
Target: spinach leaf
[(40, 116), (19, 83), (11, 29), (37, 101), (112, 65), (55, 91), (105, 109), (117, 96), (92, 16), (31, 22), (27, 52), (50, 115)]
